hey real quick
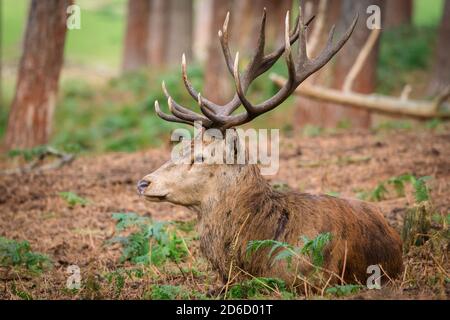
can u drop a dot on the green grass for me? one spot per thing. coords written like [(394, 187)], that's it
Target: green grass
[(99, 41), (427, 12)]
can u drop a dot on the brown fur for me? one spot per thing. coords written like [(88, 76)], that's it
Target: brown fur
[(251, 210)]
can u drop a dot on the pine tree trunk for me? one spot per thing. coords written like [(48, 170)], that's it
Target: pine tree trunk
[(310, 111), (135, 54), (218, 85), (171, 30), (398, 13), (181, 29), (248, 17), (31, 114), (325, 114), (159, 29), (203, 16), (441, 69), (366, 80)]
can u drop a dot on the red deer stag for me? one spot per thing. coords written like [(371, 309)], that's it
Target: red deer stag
[(236, 205)]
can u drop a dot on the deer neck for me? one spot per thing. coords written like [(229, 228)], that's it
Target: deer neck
[(230, 214), (235, 189)]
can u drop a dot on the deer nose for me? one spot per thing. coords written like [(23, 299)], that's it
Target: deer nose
[(142, 185)]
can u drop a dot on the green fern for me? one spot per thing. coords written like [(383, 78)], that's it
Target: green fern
[(257, 287), (420, 189), (150, 243), (73, 199), (18, 254), (286, 251), (379, 193), (344, 290), (313, 248)]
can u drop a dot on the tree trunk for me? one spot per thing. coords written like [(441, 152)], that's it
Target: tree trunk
[(30, 118), (366, 80), (398, 13), (171, 28), (243, 27), (248, 17), (181, 29), (441, 70), (135, 54), (159, 29), (203, 16), (328, 114), (218, 85), (310, 111)]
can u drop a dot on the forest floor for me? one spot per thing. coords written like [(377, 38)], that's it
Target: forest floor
[(351, 164)]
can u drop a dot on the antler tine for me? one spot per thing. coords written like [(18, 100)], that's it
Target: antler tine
[(259, 64), (288, 52), (223, 37), (168, 117), (178, 110), (239, 90), (190, 88), (330, 49), (306, 68), (217, 116), (302, 53), (183, 113), (251, 110)]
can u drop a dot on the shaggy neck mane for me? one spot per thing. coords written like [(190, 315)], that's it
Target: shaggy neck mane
[(246, 185), (245, 208)]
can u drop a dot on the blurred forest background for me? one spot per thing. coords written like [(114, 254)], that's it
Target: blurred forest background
[(91, 91), (113, 66)]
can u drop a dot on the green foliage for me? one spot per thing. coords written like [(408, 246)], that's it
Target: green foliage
[(18, 254), (286, 251), (257, 287), (312, 131), (73, 199), (441, 219), (165, 292), (28, 154), (118, 277), (399, 184), (333, 194), (171, 292), (394, 125), (379, 193), (150, 243), (421, 192), (433, 123), (311, 247), (403, 50), (314, 248), (420, 189), (344, 290)]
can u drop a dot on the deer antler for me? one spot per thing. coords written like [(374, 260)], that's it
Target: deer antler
[(221, 116)]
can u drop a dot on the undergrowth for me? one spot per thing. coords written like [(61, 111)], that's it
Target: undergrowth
[(18, 254), (149, 242)]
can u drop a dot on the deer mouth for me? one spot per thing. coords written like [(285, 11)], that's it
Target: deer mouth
[(155, 197)]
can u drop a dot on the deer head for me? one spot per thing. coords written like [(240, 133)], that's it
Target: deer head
[(196, 181)]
